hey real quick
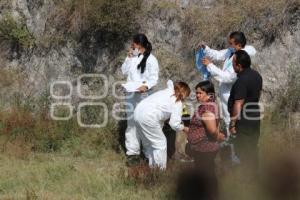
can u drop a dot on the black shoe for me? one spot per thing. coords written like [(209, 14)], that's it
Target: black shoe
[(133, 160)]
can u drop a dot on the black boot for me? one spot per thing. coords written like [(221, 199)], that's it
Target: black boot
[(133, 160)]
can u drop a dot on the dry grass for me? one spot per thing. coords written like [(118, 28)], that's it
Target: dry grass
[(288, 97), (66, 176), (10, 77), (81, 163), (49, 176), (260, 20), (43, 159), (106, 21), (173, 67), (4, 4), (39, 133)]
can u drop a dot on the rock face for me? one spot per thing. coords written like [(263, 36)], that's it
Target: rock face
[(275, 61), (162, 24)]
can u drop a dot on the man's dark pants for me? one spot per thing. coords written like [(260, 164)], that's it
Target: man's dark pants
[(246, 143)]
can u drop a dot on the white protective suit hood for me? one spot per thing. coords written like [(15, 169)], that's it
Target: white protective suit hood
[(170, 84)]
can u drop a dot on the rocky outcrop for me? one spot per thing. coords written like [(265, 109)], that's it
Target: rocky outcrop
[(162, 23), (275, 62)]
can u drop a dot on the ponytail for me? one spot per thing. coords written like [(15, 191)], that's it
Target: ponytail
[(142, 40), (146, 54)]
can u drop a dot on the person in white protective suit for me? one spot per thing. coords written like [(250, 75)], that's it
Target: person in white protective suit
[(226, 75), (150, 115), (142, 70)]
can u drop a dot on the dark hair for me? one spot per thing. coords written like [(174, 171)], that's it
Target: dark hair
[(239, 38), (142, 40), (206, 86), (243, 58), (181, 88)]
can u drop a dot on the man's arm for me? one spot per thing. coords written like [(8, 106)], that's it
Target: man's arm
[(239, 96), (220, 75), (216, 55), (235, 114), (227, 76)]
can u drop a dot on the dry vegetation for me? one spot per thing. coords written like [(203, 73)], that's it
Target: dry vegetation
[(260, 20), (109, 22), (44, 159), (288, 100)]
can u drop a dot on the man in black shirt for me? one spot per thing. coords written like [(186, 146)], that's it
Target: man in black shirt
[(243, 106)]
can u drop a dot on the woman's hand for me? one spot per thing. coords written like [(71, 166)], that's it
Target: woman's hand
[(186, 129), (232, 130), (143, 89), (221, 137)]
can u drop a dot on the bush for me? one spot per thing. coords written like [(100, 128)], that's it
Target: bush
[(110, 22), (42, 134), (14, 33), (38, 132)]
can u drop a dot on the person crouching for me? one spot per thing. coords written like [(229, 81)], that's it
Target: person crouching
[(150, 115)]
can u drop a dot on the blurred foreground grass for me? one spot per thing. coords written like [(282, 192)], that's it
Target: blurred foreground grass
[(80, 171)]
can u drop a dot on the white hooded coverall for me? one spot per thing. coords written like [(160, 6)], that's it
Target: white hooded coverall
[(149, 78), (150, 115), (225, 76)]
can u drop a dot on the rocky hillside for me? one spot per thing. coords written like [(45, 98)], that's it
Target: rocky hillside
[(47, 40)]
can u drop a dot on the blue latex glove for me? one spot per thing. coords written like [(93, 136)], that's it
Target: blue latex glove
[(200, 54)]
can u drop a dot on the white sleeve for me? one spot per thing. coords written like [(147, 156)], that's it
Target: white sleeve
[(227, 76), (175, 119), (153, 73), (215, 54), (126, 66)]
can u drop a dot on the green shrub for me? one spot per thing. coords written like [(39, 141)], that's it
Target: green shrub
[(15, 33)]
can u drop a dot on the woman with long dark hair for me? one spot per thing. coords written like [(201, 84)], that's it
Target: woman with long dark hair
[(142, 70)]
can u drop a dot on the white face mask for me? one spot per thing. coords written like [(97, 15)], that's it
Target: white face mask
[(135, 52)]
